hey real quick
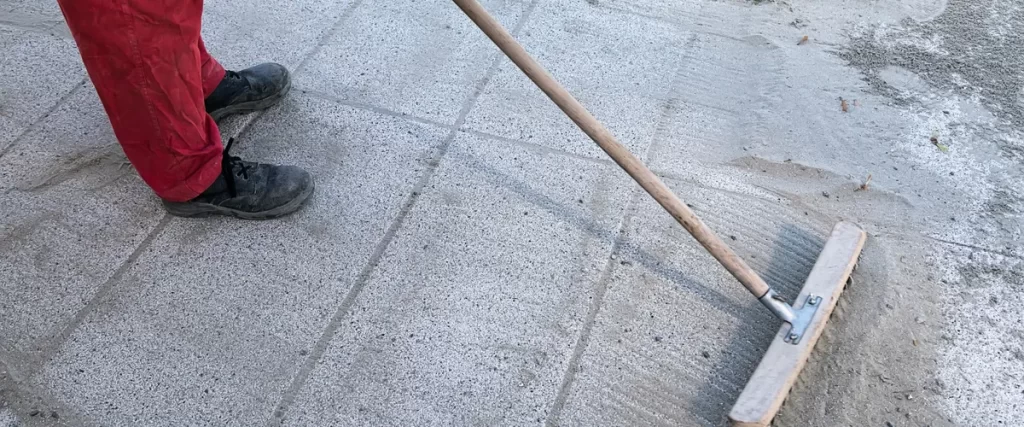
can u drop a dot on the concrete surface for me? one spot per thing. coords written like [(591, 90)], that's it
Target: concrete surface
[(52, 266), (461, 322), (629, 61), (411, 57), (26, 93), (290, 282), (470, 258)]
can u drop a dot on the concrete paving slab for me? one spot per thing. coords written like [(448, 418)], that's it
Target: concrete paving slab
[(34, 15), (620, 66), (241, 34), (70, 214), (209, 324), (721, 99), (415, 57), (751, 96), (46, 239), (686, 12), (7, 419), (984, 302), (681, 143), (473, 311), (39, 69), (41, 8), (677, 337), (75, 143), (755, 109)]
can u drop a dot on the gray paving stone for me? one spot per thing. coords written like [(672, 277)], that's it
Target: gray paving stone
[(620, 66), (474, 309), (60, 246), (70, 214), (677, 337), (75, 143), (7, 418), (722, 100), (681, 12), (734, 104), (734, 20), (41, 16), (988, 290), (681, 143), (209, 324), (39, 69), (41, 8), (241, 34), (415, 57)]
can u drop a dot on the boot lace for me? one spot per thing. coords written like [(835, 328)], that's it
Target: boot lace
[(232, 166), (228, 74)]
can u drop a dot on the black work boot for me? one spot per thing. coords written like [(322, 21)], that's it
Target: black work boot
[(248, 90), (249, 190)]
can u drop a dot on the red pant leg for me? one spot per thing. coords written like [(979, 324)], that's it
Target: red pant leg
[(144, 58), (212, 71)]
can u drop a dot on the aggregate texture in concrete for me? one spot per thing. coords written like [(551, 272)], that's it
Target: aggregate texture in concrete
[(470, 258)]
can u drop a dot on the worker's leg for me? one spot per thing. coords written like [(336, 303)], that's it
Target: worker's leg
[(211, 70), (145, 59)]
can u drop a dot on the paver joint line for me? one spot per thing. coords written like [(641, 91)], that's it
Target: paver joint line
[(372, 108), (457, 127), (16, 392), (600, 289), (975, 247), (108, 286), (602, 286), (104, 290), (288, 398), (326, 36), (38, 120)]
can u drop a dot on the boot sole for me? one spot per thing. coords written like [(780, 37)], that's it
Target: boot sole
[(248, 107), (206, 210)]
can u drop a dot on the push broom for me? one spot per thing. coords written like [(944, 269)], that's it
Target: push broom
[(803, 321)]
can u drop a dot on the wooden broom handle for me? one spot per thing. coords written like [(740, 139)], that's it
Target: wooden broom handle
[(633, 166)]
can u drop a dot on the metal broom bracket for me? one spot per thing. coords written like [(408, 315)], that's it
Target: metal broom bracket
[(799, 319)]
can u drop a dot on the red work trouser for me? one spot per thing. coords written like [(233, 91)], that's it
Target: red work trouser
[(152, 73)]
